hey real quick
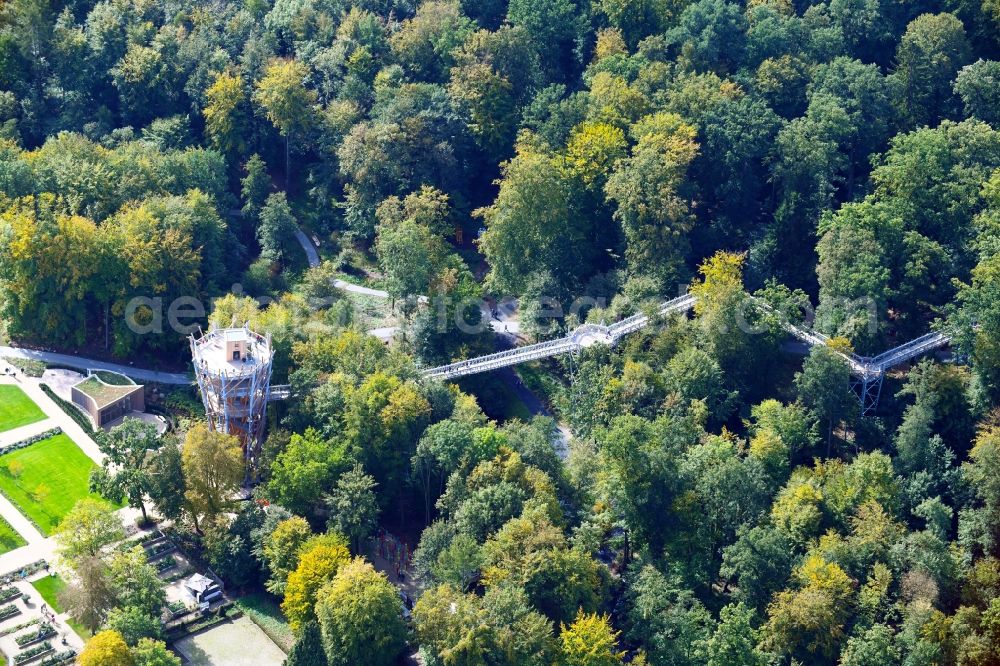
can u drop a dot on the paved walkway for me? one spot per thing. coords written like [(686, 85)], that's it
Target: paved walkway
[(344, 285), (33, 609), (84, 363), (311, 254), (22, 525), (9, 437)]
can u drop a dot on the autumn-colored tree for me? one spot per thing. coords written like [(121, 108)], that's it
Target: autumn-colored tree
[(106, 648), (281, 551), (286, 101), (590, 641), (225, 116), (319, 561), (213, 470)]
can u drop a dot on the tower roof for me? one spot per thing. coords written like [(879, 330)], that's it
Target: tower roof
[(214, 351)]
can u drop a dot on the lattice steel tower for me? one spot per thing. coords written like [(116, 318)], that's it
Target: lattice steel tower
[(233, 369)]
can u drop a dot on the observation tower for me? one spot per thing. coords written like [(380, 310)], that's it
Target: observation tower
[(233, 369)]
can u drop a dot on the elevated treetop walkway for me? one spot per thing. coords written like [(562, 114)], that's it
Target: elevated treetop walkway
[(867, 371)]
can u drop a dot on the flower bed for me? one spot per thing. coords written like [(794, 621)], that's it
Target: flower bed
[(203, 620), (8, 593), (164, 563), (58, 658), (22, 573), (18, 627), (176, 576), (159, 549), (9, 611), (33, 653), (177, 608), (28, 441), (44, 631)]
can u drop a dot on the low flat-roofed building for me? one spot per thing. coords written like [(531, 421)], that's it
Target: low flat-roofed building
[(106, 403)]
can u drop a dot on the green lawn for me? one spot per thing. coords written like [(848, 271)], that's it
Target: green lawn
[(9, 538), (49, 588), (53, 475), (265, 612), (16, 408)]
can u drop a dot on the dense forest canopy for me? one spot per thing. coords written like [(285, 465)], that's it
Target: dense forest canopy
[(720, 501)]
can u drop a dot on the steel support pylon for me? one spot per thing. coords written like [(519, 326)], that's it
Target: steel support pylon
[(868, 389)]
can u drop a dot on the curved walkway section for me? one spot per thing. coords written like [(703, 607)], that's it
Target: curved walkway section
[(82, 363), (311, 254), (868, 369)]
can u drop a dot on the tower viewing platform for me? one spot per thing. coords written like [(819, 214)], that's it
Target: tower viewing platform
[(233, 370)]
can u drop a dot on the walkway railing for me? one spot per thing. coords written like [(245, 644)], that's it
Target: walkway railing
[(868, 371)]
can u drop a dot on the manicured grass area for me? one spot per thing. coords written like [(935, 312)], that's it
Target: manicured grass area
[(17, 409), (49, 588), (53, 475), (9, 538), (265, 612)]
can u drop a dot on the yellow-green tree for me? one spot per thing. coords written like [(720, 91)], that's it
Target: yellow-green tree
[(213, 470), (808, 622), (286, 101), (320, 560), (361, 617), (590, 641), (86, 529), (106, 648), (225, 117), (281, 551), (648, 191)]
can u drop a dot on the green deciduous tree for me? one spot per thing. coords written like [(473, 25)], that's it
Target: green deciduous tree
[(353, 506), (125, 472), (734, 642), (534, 225), (301, 472), (134, 624), (824, 385), (150, 652), (213, 470), (276, 231), (648, 189), (308, 648), (361, 617), (929, 55), (853, 285), (86, 530), (136, 582), (167, 486), (978, 85)]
